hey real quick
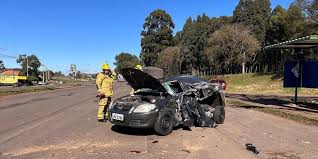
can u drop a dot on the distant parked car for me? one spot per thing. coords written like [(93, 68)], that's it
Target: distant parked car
[(221, 84), (120, 78)]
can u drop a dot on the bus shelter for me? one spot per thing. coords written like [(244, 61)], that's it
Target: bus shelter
[(299, 72)]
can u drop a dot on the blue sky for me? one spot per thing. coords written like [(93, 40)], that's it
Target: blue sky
[(89, 32)]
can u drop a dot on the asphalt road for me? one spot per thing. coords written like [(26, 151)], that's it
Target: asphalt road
[(63, 124)]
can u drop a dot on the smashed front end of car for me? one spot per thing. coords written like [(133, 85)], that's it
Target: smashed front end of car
[(172, 103), (196, 105)]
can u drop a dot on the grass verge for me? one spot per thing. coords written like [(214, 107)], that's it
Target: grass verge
[(259, 83), (277, 112), (296, 117), (12, 91)]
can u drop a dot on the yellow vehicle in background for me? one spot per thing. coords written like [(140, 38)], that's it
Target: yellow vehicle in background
[(12, 77), (12, 80)]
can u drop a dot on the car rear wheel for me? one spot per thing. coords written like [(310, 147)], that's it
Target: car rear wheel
[(219, 114), (164, 123)]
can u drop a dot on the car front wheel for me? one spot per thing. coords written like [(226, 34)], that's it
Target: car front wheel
[(164, 123)]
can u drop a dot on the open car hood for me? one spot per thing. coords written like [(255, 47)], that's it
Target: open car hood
[(138, 80)]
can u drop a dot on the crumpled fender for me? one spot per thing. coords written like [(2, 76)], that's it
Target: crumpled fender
[(222, 96)]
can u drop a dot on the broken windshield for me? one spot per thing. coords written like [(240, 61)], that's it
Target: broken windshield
[(173, 87)]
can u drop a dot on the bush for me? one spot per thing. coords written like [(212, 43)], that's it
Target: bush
[(33, 79)]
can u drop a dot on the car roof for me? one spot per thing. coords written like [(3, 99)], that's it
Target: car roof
[(186, 79)]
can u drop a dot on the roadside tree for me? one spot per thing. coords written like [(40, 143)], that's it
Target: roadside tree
[(156, 36), (169, 60), (277, 31), (126, 60), (1, 65), (310, 8), (255, 15), (32, 62), (296, 22), (231, 46)]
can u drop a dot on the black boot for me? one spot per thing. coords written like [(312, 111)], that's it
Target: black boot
[(102, 120)]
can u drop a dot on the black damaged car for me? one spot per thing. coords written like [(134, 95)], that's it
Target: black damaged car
[(178, 101)]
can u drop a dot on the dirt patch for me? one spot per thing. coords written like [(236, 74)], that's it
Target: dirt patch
[(68, 146), (283, 155)]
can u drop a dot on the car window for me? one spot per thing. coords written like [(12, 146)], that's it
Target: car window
[(168, 88), (173, 87), (144, 90)]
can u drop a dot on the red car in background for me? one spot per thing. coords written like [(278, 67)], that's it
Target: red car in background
[(221, 84)]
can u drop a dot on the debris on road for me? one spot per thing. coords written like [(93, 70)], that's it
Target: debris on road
[(305, 142), (155, 142), (252, 148), (186, 151), (135, 151)]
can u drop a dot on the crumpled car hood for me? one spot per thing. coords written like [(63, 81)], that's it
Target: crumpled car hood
[(138, 80)]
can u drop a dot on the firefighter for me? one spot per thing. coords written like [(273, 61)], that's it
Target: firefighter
[(138, 67), (104, 83), (132, 91)]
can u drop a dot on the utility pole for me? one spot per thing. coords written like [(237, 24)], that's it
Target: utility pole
[(43, 76), (27, 69), (73, 70), (47, 76), (26, 57)]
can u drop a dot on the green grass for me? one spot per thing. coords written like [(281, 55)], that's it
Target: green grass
[(259, 84)]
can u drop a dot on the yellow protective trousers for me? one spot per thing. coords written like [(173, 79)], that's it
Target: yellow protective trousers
[(103, 106)]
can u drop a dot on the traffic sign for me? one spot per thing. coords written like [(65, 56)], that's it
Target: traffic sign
[(292, 74), (301, 74)]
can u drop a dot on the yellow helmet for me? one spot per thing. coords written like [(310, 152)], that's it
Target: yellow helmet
[(105, 66), (138, 67)]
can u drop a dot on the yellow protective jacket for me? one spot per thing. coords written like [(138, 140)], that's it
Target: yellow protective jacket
[(104, 84)]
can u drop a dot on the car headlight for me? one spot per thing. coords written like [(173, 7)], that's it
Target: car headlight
[(153, 101), (144, 108)]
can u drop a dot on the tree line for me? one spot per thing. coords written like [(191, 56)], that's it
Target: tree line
[(2, 66), (30, 65), (226, 44)]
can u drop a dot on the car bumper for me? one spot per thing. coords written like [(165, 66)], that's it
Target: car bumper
[(135, 120)]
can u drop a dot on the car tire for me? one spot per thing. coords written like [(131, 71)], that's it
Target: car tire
[(164, 123), (219, 114)]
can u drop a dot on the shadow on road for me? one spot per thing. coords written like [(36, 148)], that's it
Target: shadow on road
[(267, 101), (132, 131), (143, 132)]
